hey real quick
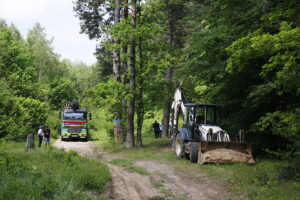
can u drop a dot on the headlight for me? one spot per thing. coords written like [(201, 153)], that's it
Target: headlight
[(64, 130)]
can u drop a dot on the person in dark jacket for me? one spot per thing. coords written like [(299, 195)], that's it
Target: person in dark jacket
[(47, 136), (156, 129)]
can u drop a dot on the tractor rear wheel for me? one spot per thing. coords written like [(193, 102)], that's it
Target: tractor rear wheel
[(193, 150), (179, 146)]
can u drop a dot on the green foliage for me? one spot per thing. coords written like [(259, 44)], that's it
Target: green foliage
[(108, 94), (107, 97), (49, 174), (32, 78), (274, 95), (247, 60), (14, 53), (54, 123), (61, 92), (20, 116), (44, 60)]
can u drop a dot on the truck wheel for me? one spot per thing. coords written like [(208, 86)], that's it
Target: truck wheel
[(179, 146), (194, 149), (62, 139)]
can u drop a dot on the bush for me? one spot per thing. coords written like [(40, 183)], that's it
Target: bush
[(20, 116), (283, 128)]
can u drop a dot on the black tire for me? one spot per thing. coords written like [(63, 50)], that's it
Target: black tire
[(62, 139), (179, 146), (194, 149), (85, 139)]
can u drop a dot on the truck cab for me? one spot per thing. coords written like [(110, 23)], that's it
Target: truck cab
[(74, 124)]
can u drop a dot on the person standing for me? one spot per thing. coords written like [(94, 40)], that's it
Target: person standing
[(156, 129), (161, 127), (41, 135), (47, 136)]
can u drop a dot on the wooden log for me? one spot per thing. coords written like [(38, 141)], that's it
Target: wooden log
[(30, 143)]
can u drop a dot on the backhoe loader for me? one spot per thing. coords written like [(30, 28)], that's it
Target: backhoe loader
[(200, 138)]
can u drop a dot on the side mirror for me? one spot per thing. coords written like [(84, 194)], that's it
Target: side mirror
[(90, 116), (59, 115)]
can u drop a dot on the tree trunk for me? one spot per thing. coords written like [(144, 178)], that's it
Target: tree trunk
[(140, 104), (116, 52), (117, 74), (167, 101), (131, 101), (125, 49), (125, 75), (168, 74)]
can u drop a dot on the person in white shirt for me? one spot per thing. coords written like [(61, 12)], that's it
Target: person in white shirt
[(41, 135)]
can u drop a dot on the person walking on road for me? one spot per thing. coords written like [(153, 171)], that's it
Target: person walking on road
[(156, 129), (47, 136), (41, 135)]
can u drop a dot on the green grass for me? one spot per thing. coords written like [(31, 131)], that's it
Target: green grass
[(129, 166), (49, 173), (259, 181)]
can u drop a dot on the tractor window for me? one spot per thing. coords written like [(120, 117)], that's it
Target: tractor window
[(191, 115), (188, 116), (200, 115), (211, 115), (206, 115)]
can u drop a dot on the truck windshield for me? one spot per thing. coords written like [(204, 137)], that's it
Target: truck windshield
[(74, 116)]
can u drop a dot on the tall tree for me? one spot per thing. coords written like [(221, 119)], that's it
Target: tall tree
[(140, 89), (124, 69), (117, 72), (131, 102), (41, 49)]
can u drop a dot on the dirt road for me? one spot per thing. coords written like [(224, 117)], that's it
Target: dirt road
[(162, 182)]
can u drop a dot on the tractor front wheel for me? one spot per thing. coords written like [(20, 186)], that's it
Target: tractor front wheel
[(194, 149), (179, 146)]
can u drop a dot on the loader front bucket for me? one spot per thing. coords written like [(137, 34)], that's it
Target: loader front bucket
[(225, 152)]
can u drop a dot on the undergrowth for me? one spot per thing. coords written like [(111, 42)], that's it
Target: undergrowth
[(49, 173)]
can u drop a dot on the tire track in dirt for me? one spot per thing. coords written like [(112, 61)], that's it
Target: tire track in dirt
[(164, 180)]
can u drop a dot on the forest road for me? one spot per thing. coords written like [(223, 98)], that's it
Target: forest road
[(162, 181)]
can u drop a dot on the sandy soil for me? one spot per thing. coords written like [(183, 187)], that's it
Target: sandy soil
[(164, 181)]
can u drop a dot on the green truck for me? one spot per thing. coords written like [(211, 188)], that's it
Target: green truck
[(74, 122)]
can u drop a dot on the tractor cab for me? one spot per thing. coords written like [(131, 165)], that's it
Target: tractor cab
[(201, 114)]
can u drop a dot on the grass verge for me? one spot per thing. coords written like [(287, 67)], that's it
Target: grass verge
[(49, 173)]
